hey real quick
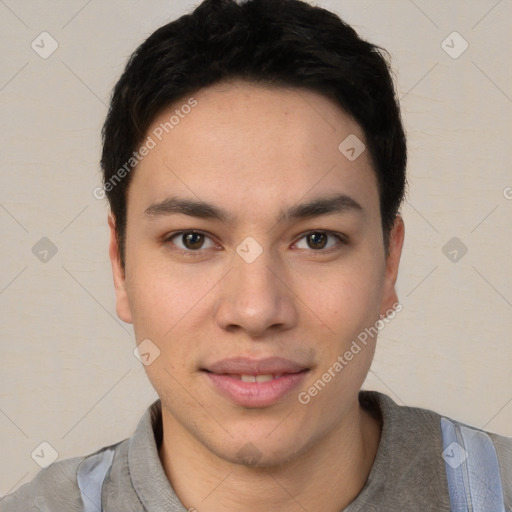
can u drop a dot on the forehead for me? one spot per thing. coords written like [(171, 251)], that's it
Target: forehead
[(252, 145)]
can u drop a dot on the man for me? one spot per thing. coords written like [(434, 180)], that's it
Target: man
[(254, 160)]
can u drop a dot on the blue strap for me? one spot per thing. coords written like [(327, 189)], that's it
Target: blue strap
[(90, 476), (472, 469)]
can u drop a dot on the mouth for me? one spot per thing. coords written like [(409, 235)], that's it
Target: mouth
[(256, 378), (243, 366), (255, 383)]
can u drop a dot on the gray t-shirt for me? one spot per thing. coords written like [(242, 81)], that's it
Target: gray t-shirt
[(409, 472)]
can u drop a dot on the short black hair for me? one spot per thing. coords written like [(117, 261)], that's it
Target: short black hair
[(275, 42)]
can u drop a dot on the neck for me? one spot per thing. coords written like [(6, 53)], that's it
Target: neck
[(328, 476)]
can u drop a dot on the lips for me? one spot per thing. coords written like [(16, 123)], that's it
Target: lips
[(244, 366), (255, 383)]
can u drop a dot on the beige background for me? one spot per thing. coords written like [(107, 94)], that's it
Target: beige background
[(68, 375)]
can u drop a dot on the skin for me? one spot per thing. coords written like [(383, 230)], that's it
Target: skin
[(256, 151)]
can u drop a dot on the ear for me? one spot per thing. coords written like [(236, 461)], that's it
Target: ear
[(396, 240), (122, 303)]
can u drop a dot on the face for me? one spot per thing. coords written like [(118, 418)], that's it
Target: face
[(254, 260)]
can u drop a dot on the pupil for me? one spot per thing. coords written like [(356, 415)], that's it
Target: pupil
[(193, 240), (317, 239)]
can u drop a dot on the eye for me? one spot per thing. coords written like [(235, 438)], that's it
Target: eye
[(190, 241), (319, 240)]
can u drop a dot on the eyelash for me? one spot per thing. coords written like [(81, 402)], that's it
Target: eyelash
[(341, 239)]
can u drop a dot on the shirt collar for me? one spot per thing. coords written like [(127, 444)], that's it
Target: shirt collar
[(147, 473)]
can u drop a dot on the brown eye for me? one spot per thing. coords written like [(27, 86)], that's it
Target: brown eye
[(321, 241), (190, 240), (317, 240)]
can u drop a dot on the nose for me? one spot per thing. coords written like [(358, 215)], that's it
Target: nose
[(256, 298)]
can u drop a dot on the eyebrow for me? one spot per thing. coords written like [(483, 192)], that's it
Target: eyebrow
[(337, 204), (340, 203)]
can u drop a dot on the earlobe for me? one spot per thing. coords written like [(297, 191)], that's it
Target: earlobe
[(396, 240), (118, 274)]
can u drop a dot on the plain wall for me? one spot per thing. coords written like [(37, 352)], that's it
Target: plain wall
[(68, 374)]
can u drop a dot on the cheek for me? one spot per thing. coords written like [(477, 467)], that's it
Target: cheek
[(162, 302), (349, 296), (350, 308), (170, 303)]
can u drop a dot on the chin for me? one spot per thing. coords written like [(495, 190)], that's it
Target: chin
[(258, 451)]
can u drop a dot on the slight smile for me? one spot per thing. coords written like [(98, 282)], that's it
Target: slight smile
[(255, 383)]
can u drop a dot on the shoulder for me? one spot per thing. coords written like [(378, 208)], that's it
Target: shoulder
[(53, 488), (409, 421), (460, 452), (56, 488)]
